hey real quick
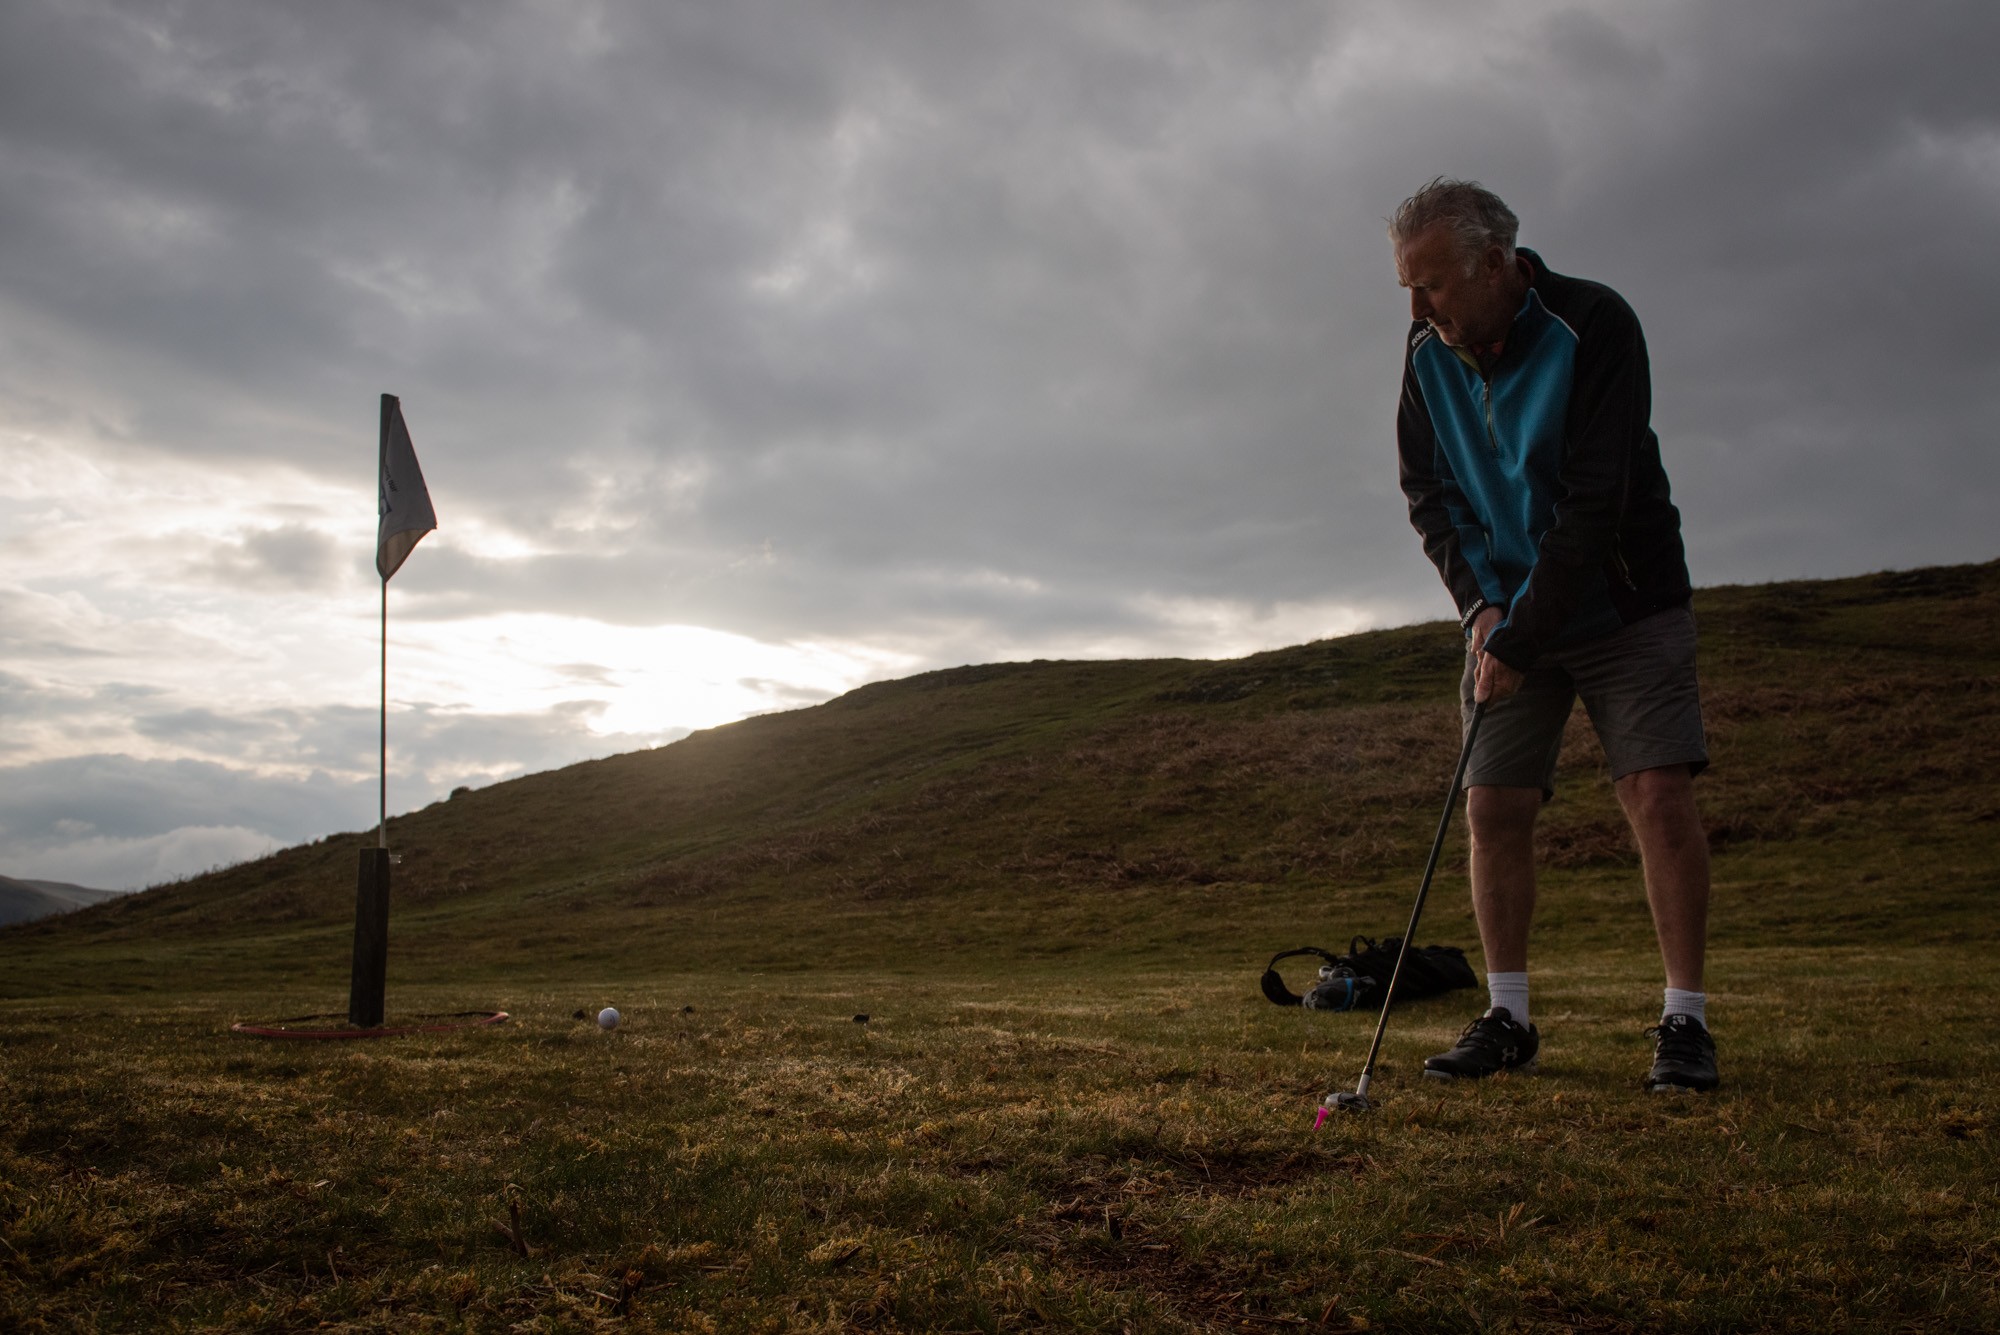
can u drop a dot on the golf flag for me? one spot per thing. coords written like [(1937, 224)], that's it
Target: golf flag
[(403, 504)]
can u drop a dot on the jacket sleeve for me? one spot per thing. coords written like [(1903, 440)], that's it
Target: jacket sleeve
[(1611, 402), (1452, 536)]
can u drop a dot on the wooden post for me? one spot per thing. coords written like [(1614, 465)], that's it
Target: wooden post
[(371, 941), (382, 824)]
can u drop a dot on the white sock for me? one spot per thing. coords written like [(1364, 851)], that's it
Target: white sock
[(1509, 990), (1686, 1003)]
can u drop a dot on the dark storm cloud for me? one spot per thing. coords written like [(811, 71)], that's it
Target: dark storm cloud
[(894, 291), (130, 798), (290, 557), (807, 320), (1805, 240), (115, 821), (430, 745)]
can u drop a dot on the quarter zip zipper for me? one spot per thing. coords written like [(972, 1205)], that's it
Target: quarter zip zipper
[(1485, 396), (1486, 399)]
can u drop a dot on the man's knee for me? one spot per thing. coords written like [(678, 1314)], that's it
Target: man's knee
[(1659, 799), (1500, 817)]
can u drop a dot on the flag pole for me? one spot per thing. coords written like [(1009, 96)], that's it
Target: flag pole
[(404, 515), (368, 984)]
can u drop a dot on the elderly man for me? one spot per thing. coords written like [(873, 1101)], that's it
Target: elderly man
[(1535, 480)]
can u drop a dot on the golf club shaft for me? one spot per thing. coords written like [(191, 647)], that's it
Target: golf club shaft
[(1423, 890)]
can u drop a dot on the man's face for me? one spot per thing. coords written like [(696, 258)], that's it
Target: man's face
[(1466, 309)]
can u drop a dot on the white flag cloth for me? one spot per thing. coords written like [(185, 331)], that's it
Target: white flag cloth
[(404, 504)]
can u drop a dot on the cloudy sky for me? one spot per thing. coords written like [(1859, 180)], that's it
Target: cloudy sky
[(757, 350)]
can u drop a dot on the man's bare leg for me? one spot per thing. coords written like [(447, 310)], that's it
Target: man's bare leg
[(1660, 805), (1503, 871), (1503, 899)]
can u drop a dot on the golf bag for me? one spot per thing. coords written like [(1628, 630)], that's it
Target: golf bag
[(1358, 979)]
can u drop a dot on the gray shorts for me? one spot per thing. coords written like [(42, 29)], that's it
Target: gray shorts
[(1637, 684)]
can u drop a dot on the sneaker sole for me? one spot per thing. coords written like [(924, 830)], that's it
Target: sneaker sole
[(1668, 1087), (1527, 1067)]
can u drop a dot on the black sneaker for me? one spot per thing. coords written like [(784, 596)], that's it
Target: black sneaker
[(1684, 1058), (1490, 1044)]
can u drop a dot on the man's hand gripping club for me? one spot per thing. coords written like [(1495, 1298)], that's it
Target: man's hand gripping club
[(1492, 679)]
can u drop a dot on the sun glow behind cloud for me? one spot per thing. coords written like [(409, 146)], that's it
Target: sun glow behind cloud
[(646, 681), (249, 591)]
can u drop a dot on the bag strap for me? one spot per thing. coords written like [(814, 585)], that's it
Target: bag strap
[(1274, 986)]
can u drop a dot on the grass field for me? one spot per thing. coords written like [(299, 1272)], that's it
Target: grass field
[(1051, 888)]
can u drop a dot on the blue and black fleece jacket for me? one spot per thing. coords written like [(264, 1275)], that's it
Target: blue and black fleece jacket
[(1536, 483)]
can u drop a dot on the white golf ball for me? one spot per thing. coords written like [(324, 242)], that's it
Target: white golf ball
[(608, 1018)]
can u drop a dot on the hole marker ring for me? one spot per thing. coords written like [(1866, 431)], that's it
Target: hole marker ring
[(442, 1024)]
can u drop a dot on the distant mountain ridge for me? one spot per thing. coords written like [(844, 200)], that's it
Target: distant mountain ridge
[(25, 901)]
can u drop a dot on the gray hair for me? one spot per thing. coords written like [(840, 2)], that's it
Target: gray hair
[(1475, 215)]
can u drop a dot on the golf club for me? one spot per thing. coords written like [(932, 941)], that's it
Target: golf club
[(1357, 1100)]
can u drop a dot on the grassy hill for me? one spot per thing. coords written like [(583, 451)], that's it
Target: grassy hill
[(1051, 885), (1120, 808)]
